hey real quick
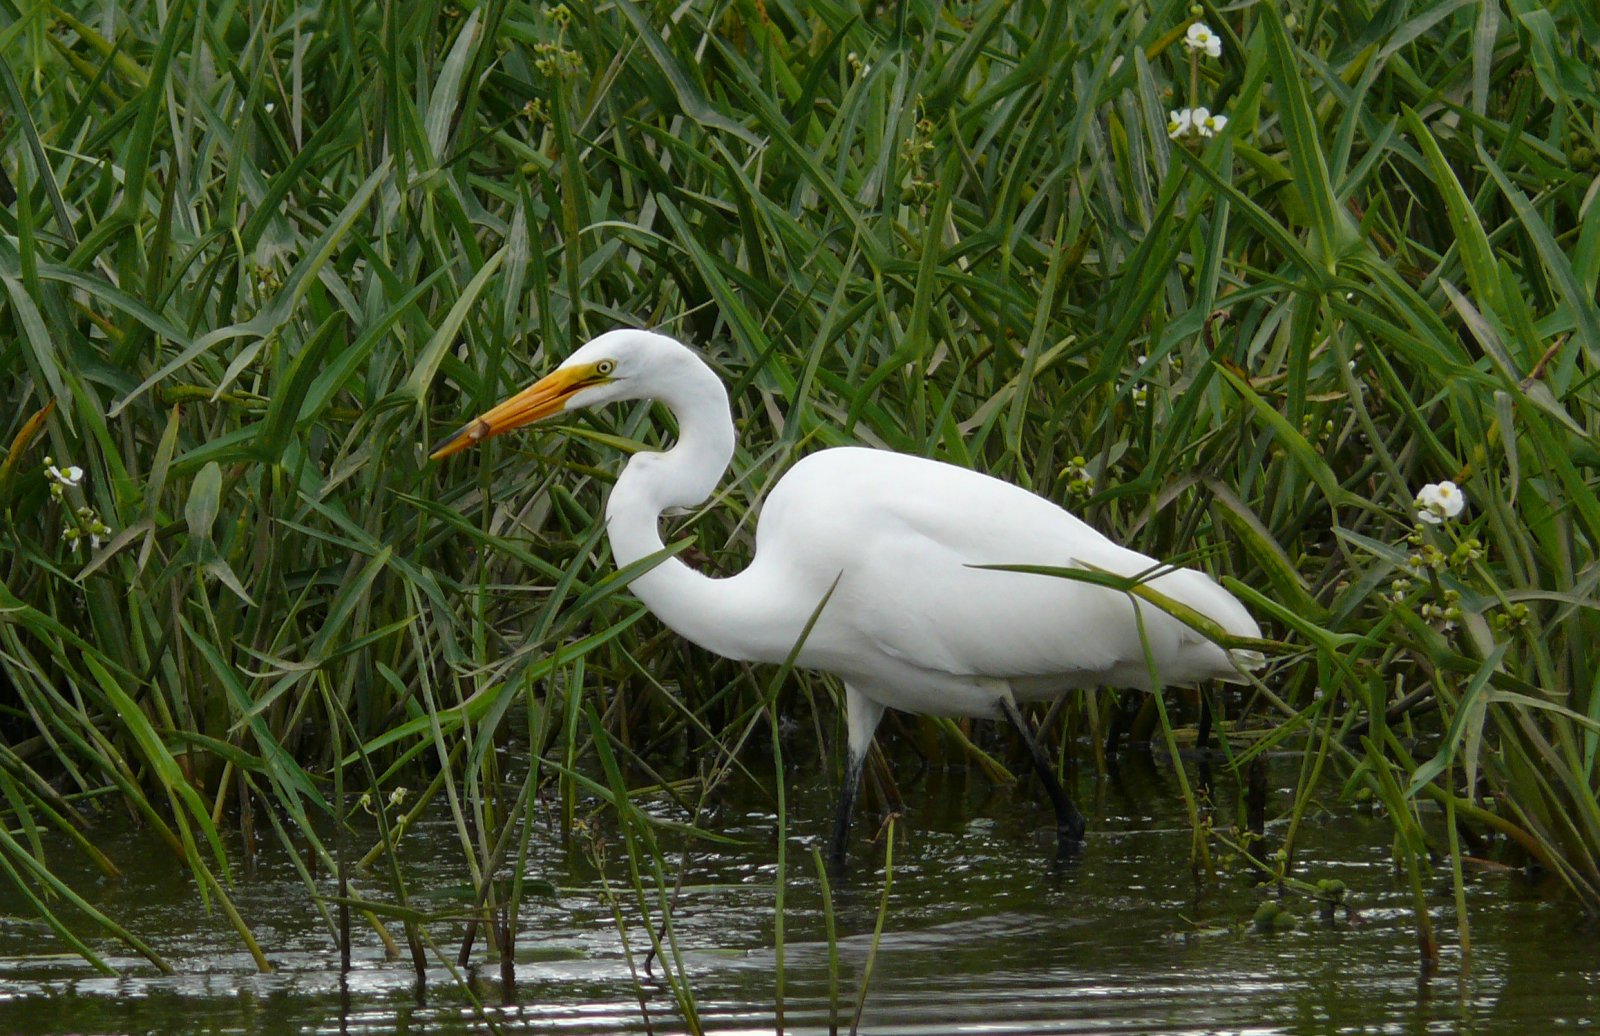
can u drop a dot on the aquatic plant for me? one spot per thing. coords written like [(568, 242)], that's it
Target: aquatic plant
[(258, 259)]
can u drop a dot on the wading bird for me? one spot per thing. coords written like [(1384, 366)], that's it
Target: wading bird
[(888, 552)]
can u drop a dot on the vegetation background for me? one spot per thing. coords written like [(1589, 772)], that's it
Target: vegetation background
[(257, 255)]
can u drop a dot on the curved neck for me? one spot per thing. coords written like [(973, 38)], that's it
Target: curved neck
[(695, 606)]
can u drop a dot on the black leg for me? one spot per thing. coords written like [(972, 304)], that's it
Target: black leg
[(1121, 716), (1069, 822), (1203, 735), (1256, 795), (847, 804)]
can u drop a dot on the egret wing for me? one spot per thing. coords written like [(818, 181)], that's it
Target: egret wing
[(911, 537)]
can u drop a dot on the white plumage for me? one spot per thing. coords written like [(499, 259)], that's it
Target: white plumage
[(895, 544)]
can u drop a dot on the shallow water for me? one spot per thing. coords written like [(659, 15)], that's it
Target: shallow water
[(983, 934)]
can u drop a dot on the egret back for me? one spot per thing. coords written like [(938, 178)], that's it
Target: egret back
[(900, 541)]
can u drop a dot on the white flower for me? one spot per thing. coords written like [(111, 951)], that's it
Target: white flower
[(1200, 120), (1208, 125), (71, 475), (1439, 501), (1200, 37)]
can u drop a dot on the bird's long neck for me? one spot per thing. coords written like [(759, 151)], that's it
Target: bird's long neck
[(697, 607)]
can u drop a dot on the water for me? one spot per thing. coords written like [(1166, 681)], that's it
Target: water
[(983, 935)]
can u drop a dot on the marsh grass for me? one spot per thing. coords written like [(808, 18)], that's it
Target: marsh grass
[(259, 257)]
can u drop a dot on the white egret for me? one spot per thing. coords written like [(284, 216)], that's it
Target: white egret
[(896, 547)]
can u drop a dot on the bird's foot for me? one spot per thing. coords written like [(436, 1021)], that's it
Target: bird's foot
[(1068, 844), (1069, 853)]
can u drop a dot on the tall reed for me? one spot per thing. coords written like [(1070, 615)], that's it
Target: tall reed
[(259, 258)]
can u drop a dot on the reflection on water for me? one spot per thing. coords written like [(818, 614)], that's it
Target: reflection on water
[(983, 935)]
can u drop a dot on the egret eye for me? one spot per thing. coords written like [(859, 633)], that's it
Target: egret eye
[(605, 367)]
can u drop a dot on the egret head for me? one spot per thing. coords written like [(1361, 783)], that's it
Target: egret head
[(624, 364)]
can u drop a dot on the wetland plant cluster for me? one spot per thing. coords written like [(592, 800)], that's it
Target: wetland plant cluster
[(1248, 286)]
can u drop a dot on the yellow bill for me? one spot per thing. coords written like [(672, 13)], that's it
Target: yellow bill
[(546, 397)]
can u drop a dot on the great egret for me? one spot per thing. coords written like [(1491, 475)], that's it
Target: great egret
[(893, 549)]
